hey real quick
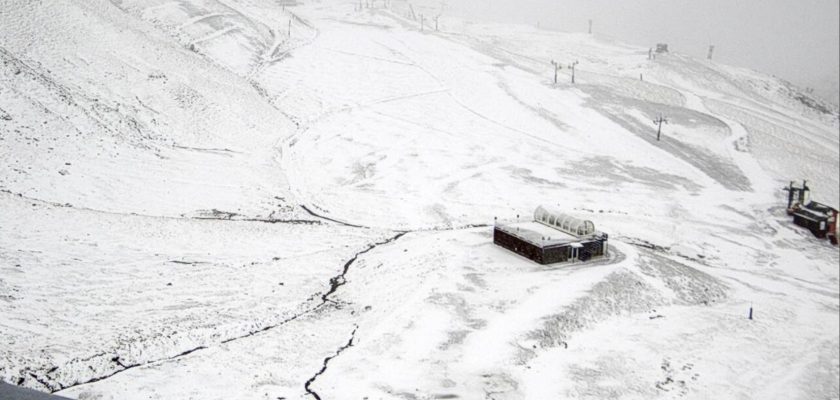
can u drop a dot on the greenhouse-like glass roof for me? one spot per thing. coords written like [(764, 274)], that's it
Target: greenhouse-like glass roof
[(564, 222)]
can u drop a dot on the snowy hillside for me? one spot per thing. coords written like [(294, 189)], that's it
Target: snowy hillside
[(241, 199)]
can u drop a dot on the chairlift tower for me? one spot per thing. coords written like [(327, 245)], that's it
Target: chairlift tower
[(557, 67), (658, 121)]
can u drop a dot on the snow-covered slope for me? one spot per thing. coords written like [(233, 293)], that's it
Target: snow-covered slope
[(106, 112), (248, 199)]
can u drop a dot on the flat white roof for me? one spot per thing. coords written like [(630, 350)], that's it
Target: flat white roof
[(538, 233)]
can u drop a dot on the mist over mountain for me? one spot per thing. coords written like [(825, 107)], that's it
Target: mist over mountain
[(793, 40)]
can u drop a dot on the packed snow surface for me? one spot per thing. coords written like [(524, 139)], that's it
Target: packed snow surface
[(243, 199)]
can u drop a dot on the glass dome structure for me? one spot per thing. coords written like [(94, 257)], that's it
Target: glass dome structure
[(564, 222)]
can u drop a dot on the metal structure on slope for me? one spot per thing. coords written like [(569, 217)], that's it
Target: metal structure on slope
[(818, 218)]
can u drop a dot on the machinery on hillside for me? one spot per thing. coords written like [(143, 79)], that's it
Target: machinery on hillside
[(818, 218)]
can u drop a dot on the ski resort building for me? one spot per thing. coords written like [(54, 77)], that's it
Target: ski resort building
[(818, 218), (552, 237)]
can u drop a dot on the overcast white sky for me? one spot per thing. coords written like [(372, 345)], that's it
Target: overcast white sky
[(798, 40)]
